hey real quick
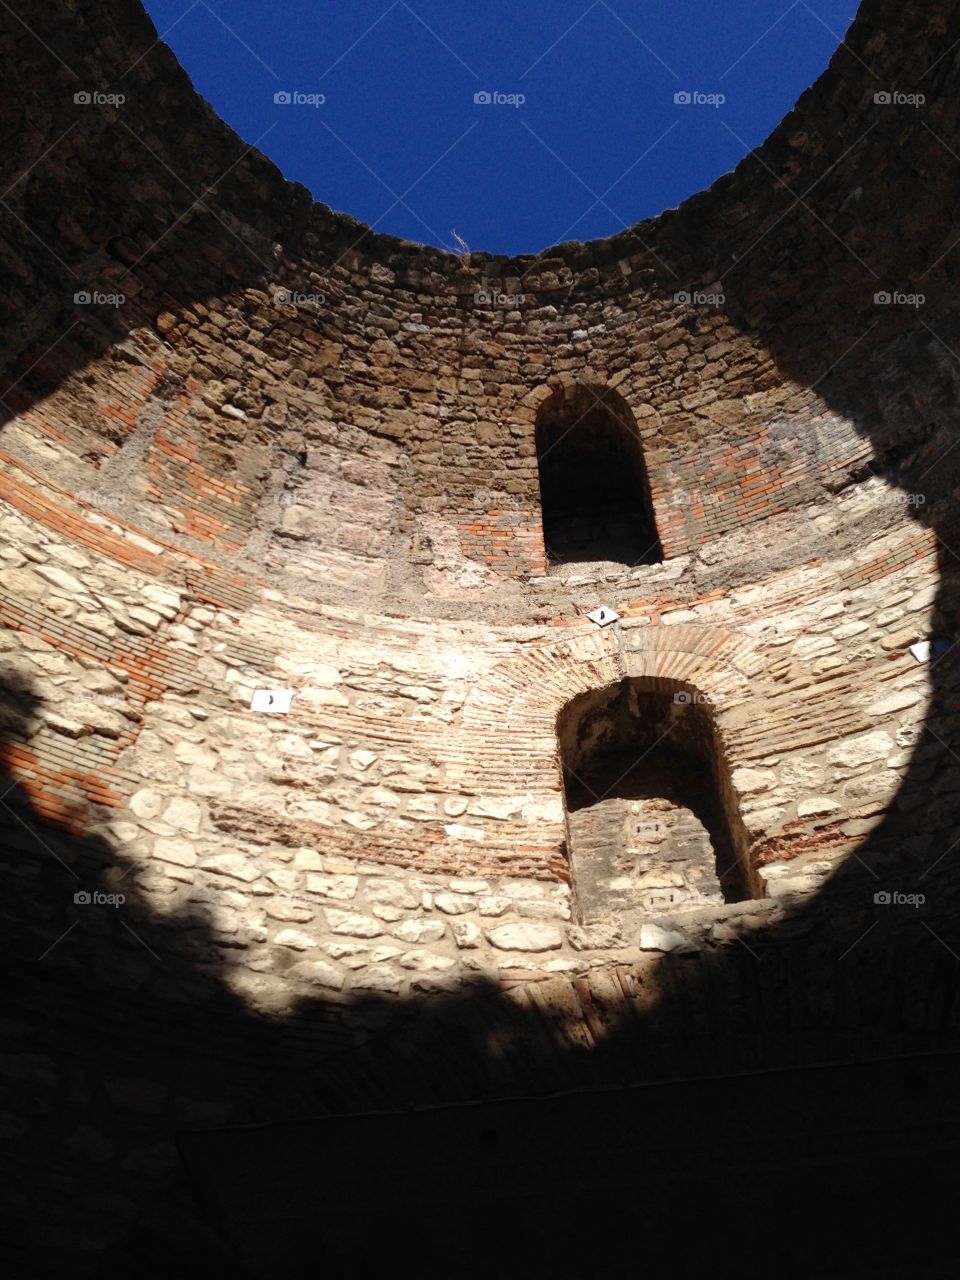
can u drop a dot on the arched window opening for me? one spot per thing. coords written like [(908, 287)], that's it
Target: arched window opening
[(652, 818), (594, 494)]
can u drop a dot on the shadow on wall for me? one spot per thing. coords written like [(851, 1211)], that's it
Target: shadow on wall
[(105, 236), (131, 1036), (858, 311), (131, 1033)]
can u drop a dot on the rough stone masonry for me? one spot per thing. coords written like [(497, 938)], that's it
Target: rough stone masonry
[(211, 490)]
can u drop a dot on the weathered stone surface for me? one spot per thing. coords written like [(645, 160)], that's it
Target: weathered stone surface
[(362, 760), (146, 803), (816, 805), (183, 815), (392, 893), (598, 937), (865, 749), (180, 852), (655, 937), (96, 717), (343, 888), (357, 926), (22, 582), (232, 865), (425, 962), (282, 909), (894, 701), (61, 579), (390, 914), (466, 934), (420, 930), (454, 904), (378, 978), (522, 889), (525, 937), (544, 910), (780, 886), (318, 974), (308, 860), (386, 951), (750, 780), (294, 939), (493, 905)]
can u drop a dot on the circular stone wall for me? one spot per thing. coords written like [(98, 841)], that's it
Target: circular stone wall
[(276, 451)]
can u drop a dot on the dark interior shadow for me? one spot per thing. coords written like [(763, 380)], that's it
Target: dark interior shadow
[(594, 492), (649, 739)]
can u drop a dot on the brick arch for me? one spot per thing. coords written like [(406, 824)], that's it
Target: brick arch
[(532, 687), (527, 409), (509, 724), (638, 415), (717, 661), (559, 384)]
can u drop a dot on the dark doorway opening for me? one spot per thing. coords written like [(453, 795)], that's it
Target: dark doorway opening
[(594, 494), (652, 818)]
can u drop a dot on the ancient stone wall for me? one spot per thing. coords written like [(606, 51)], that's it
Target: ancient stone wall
[(300, 455)]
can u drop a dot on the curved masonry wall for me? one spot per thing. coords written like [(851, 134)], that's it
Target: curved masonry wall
[(210, 490)]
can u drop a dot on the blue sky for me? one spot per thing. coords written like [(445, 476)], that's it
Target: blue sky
[(597, 143)]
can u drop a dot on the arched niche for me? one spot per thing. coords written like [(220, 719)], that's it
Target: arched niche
[(594, 493), (653, 822)]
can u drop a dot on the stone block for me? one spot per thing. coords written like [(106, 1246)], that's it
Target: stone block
[(525, 937)]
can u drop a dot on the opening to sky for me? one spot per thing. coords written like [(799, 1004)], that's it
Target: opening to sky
[(510, 125)]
